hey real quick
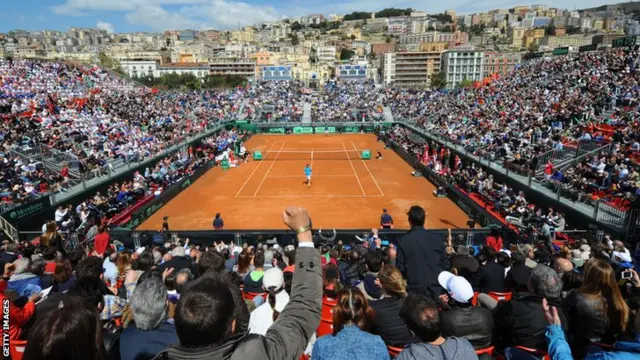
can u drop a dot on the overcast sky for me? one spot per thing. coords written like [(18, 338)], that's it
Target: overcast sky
[(159, 15)]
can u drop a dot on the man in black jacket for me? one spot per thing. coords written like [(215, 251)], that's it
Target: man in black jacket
[(521, 321), (518, 276), (421, 257), (490, 274), (462, 319), (464, 263), (178, 261)]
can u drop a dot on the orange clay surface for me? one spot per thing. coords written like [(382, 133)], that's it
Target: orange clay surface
[(346, 192)]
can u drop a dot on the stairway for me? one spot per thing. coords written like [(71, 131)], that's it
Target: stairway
[(306, 113)]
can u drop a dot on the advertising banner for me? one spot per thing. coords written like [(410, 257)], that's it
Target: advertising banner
[(326, 129), (16, 214), (275, 130), (303, 130)]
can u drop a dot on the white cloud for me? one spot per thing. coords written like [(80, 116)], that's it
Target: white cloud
[(101, 25), (157, 18), (223, 14)]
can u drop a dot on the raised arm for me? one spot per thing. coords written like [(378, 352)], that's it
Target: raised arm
[(290, 333)]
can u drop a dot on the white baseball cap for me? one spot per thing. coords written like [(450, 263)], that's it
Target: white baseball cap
[(273, 277), (458, 287)]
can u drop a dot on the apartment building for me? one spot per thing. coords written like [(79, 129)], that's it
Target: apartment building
[(500, 63), (410, 69), (326, 53), (459, 65), (232, 66), (568, 40)]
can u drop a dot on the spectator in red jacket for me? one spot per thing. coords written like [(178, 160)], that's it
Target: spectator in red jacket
[(101, 241), (18, 316), (494, 240)]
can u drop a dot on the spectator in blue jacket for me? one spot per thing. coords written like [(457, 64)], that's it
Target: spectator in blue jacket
[(151, 331), (352, 318)]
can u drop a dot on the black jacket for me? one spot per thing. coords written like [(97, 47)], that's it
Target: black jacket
[(287, 337), (421, 257), (466, 265), (388, 324), (587, 322), (489, 277), (474, 323), (521, 322), (177, 263), (517, 278)]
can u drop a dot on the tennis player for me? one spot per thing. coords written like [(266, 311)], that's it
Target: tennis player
[(307, 173)]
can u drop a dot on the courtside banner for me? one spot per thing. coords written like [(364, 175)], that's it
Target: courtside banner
[(326, 129), (274, 130), (351, 129), (303, 130)]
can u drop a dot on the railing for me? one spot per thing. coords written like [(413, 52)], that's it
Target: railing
[(596, 152), (550, 156), (607, 214), (8, 229), (90, 180)]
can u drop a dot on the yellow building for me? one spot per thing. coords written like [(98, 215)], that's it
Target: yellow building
[(263, 58), (516, 37), (354, 31), (598, 24), (306, 73), (244, 35)]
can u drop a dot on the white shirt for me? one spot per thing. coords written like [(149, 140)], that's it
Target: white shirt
[(624, 256), (262, 317)]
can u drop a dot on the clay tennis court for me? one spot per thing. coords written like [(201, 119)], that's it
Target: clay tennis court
[(346, 192)]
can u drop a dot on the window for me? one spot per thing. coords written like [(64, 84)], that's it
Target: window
[(134, 67)]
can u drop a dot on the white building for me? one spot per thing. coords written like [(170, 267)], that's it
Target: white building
[(459, 65), (326, 53)]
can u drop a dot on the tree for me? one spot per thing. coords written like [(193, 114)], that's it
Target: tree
[(346, 54), (391, 12), (353, 37), (446, 29), (357, 15), (388, 39), (296, 26), (294, 40), (550, 30), (438, 80), (533, 47), (431, 28), (573, 30), (445, 18), (465, 84)]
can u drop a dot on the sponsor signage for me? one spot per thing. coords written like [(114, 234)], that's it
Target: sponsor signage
[(302, 130), (25, 211)]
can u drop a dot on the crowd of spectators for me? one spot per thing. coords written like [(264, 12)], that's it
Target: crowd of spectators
[(277, 101), (422, 298), (347, 101)]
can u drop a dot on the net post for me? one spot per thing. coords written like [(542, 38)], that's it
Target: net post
[(257, 155), (366, 155)]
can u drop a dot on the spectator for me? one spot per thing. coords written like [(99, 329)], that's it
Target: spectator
[(101, 240), (517, 277), (178, 261), (23, 281), (462, 319), (63, 277), (490, 274), (521, 320), (465, 264), (562, 266), (70, 332), (588, 323), (350, 270), (19, 315), (423, 319), (352, 317), (620, 252), (151, 332), (331, 283), (253, 281), (373, 262), (52, 238), (494, 240), (386, 321), (421, 259), (211, 261), (243, 267), (205, 313), (264, 315)]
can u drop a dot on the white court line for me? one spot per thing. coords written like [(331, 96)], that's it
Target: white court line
[(365, 165), (269, 170), (298, 176), (254, 170), (309, 196), (311, 159), (354, 169)]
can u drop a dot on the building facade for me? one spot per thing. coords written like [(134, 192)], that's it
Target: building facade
[(500, 63), (233, 66), (410, 69), (460, 65)]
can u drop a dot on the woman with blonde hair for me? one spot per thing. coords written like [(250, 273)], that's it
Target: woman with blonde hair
[(52, 238), (352, 318), (596, 312), (387, 322), (123, 263)]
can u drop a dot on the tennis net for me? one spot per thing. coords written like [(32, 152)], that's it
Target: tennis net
[(313, 155)]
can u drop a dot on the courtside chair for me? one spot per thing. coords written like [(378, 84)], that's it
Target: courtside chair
[(16, 349)]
